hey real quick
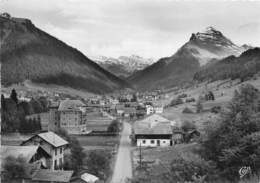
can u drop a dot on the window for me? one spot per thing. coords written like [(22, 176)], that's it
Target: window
[(55, 165), (144, 141), (55, 152), (61, 150), (152, 141), (61, 163)]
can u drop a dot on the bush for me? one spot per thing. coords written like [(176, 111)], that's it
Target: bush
[(14, 167), (184, 95), (176, 101), (98, 163), (188, 100), (187, 110), (191, 167), (114, 127), (199, 106), (187, 126), (216, 109)]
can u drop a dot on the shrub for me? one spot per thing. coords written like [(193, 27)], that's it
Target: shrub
[(187, 110), (216, 109), (176, 101), (114, 127), (188, 100), (184, 95), (191, 167), (14, 167), (98, 163)]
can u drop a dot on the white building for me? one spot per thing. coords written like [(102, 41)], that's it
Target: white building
[(53, 144), (149, 109), (158, 109), (72, 116), (153, 131)]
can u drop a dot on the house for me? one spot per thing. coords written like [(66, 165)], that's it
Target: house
[(54, 117), (31, 154), (129, 112), (153, 131), (52, 144), (72, 116), (57, 176), (158, 109), (149, 109)]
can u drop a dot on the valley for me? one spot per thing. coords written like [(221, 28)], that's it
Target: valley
[(69, 116)]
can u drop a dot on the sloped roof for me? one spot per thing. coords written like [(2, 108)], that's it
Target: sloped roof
[(154, 118), (66, 105), (53, 139), (89, 178), (52, 175), (153, 125), (27, 152)]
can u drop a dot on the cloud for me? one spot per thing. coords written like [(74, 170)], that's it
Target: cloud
[(149, 28)]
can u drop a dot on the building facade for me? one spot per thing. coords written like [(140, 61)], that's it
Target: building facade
[(53, 145), (153, 131)]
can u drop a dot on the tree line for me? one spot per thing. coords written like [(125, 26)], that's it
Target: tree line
[(14, 112)]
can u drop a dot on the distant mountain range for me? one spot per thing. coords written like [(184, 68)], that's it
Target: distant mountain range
[(28, 53), (203, 48), (122, 66)]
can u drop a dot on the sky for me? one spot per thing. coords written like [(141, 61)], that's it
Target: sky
[(148, 28)]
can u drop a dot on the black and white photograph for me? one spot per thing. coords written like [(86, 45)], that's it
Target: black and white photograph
[(130, 91)]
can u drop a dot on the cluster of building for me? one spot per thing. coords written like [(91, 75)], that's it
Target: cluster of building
[(43, 154), (74, 116)]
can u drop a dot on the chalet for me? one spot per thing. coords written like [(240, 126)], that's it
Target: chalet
[(129, 112), (72, 116), (154, 130), (158, 109), (52, 144), (149, 109), (31, 154)]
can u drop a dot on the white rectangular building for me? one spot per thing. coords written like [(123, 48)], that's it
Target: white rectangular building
[(153, 131)]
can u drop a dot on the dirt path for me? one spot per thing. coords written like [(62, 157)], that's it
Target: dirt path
[(123, 166)]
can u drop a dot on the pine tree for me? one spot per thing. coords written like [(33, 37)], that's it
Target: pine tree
[(13, 96)]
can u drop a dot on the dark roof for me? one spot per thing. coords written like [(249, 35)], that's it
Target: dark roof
[(27, 152), (50, 138), (52, 175)]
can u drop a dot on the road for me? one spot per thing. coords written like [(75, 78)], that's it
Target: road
[(123, 165)]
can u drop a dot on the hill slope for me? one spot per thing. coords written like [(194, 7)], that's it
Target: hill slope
[(202, 48), (242, 67), (29, 53)]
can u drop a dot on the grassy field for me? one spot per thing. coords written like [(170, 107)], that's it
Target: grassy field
[(13, 139), (156, 161), (223, 92), (98, 142)]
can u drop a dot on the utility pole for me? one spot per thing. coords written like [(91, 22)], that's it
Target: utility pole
[(140, 155)]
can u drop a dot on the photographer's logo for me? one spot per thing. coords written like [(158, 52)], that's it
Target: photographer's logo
[(244, 171)]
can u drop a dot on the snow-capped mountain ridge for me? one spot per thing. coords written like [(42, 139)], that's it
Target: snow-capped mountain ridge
[(123, 65), (212, 44)]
